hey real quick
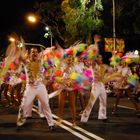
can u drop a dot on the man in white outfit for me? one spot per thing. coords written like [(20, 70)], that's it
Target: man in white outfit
[(97, 91), (34, 88)]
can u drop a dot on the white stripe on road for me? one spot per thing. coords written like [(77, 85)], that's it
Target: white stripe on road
[(122, 106), (85, 132), (80, 129), (65, 127), (72, 131)]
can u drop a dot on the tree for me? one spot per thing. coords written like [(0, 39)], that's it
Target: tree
[(82, 18), (72, 20)]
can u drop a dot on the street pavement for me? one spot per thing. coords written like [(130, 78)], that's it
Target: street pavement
[(124, 125)]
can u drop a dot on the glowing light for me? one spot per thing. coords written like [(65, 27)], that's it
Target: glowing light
[(32, 18), (47, 28), (12, 39), (136, 52)]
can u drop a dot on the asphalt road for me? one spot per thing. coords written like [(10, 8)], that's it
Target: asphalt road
[(124, 125)]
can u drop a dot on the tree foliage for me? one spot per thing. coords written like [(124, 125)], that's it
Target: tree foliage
[(82, 17), (71, 20)]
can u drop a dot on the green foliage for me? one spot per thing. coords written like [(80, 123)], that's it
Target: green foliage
[(82, 17), (71, 20), (74, 3)]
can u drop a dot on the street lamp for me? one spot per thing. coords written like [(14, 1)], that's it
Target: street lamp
[(114, 31), (48, 33), (33, 19), (12, 39), (47, 28)]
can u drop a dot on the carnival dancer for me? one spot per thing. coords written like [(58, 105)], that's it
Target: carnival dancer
[(79, 68), (5, 88), (34, 88), (124, 85), (15, 85), (68, 68), (97, 91), (52, 62), (51, 59)]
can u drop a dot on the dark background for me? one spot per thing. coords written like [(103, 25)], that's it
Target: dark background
[(13, 14)]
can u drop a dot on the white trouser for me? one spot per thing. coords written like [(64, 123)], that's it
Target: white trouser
[(40, 110), (29, 95), (98, 90)]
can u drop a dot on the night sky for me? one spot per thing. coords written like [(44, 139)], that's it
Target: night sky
[(13, 15), (13, 19)]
